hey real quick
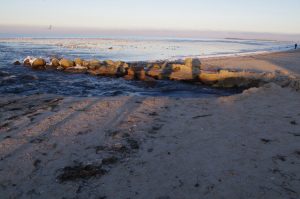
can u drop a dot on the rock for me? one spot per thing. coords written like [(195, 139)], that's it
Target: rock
[(156, 66), (17, 63), (85, 63), (184, 73), (121, 71), (93, 64), (130, 74), (65, 63), (121, 63), (136, 72), (54, 62), (78, 62), (38, 63), (209, 77), (140, 74), (155, 73), (110, 68), (76, 69), (159, 70), (175, 70), (231, 79), (130, 71), (60, 68), (109, 62), (27, 61), (189, 70), (192, 62)]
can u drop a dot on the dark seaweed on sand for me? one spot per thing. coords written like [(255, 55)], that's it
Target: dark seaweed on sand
[(72, 173)]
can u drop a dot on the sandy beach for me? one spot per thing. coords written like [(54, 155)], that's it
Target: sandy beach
[(287, 62), (239, 146)]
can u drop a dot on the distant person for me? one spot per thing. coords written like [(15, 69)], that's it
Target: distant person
[(296, 45)]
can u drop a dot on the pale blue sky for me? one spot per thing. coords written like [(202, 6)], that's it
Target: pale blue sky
[(274, 16)]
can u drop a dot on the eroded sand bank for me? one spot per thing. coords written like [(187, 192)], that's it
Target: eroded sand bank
[(241, 146)]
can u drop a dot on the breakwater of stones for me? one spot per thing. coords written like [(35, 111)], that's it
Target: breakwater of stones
[(189, 70)]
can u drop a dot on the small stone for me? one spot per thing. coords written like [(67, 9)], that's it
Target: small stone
[(17, 63)]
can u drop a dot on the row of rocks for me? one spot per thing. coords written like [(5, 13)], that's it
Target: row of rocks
[(182, 70)]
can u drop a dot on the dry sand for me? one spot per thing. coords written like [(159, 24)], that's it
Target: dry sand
[(241, 146), (288, 61)]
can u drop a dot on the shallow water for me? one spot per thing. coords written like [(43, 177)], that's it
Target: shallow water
[(22, 80)]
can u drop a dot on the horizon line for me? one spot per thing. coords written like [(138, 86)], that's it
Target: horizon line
[(139, 29), (55, 31)]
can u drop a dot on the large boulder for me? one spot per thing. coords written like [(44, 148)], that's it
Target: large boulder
[(231, 79), (184, 73), (110, 68), (38, 63), (17, 63), (65, 63), (187, 70)]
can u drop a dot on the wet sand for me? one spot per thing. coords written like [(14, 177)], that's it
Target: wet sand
[(240, 146)]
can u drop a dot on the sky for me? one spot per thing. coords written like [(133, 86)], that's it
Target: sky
[(251, 16)]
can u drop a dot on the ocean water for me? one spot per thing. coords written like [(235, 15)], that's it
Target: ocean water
[(22, 80)]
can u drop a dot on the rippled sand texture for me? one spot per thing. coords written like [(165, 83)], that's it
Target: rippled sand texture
[(146, 147)]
